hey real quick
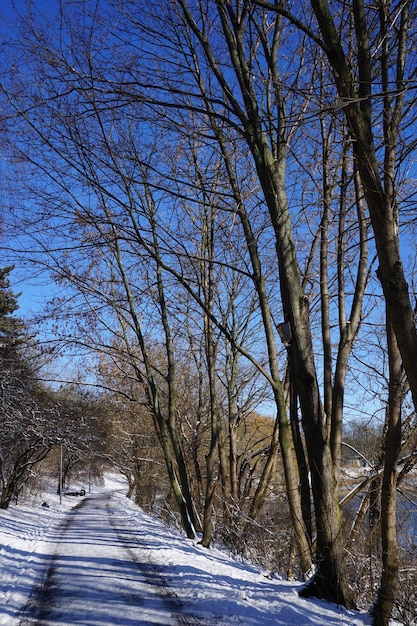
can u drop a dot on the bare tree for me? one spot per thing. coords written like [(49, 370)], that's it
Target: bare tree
[(117, 152), (354, 80), (26, 411), (387, 592)]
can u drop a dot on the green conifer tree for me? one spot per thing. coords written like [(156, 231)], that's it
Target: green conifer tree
[(11, 327)]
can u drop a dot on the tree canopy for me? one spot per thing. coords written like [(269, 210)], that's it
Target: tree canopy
[(203, 181)]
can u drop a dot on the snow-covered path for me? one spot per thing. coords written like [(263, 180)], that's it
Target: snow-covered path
[(106, 563), (96, 576)]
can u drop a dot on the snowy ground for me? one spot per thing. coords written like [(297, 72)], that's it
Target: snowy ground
[(208, 586)]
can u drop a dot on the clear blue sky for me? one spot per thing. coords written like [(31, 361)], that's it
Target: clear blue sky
[(34, 291)]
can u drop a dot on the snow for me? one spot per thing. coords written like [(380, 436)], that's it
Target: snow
[(122, 566)]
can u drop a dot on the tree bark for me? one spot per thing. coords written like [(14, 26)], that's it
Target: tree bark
[(302, 464), (387, 592)]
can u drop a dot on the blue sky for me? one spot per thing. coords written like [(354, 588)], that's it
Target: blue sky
[(36, 291), (8, 7)]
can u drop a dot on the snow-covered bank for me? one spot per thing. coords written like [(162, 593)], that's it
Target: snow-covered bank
[(26, 539), (212, 586)]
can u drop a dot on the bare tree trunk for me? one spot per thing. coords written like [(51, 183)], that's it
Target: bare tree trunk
[(171, 379), (233, 424), (387, 592), (234, 419), (282, 432), (152, 393), (212, 458), (303, 468), (348, 324)]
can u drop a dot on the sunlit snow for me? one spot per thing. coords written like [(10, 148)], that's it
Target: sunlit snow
[(106, 562)]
